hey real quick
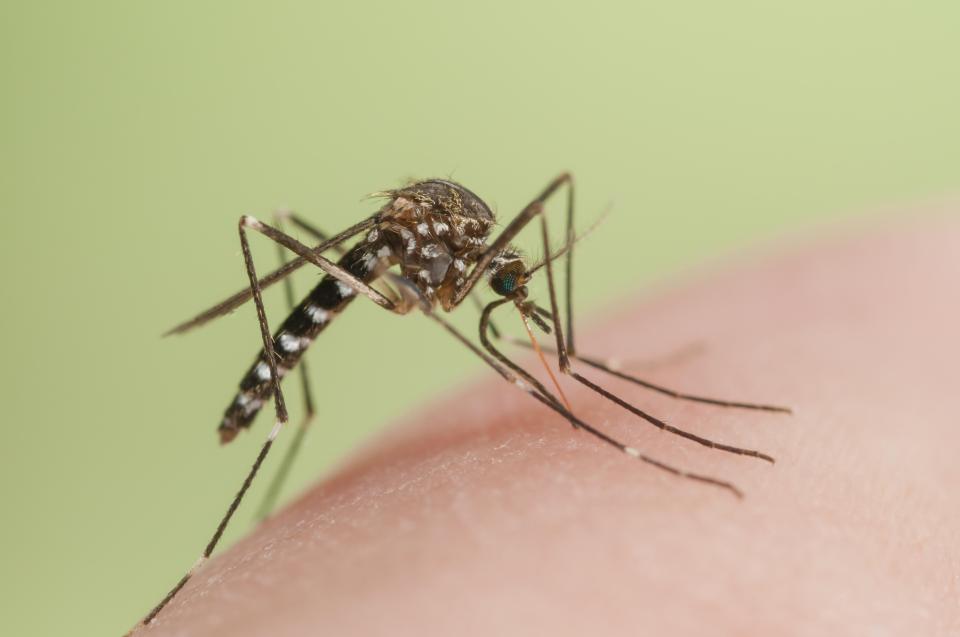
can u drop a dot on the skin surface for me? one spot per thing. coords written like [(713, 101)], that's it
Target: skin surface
[(489, 515)]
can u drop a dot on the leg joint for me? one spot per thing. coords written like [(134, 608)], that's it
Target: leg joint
[(249, 221)]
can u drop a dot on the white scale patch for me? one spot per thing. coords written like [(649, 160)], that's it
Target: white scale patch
[(430, 250), (423, 229), (252, 222), (262, 371), (317, 314), (345, 290), (459, 265), (373, 235), (384, 252), (290, 343), (522, 385), (440, 227), (369, 261), (252, 406), (424, 274), (406, 234)]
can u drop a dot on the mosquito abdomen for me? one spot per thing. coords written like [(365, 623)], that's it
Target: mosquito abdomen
[(365, 261)]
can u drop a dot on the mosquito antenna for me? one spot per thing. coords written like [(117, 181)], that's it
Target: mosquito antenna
[(568, 245)]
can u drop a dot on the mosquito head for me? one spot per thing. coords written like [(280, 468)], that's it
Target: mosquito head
[(508, 274)]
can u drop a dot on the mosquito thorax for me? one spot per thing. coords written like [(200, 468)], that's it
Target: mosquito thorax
[(435, 230)]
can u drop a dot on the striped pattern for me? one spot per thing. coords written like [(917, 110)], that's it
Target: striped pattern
[(292, 338)]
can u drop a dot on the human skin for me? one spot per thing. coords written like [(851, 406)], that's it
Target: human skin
[(487, 514)]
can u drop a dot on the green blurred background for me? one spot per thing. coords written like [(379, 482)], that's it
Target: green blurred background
[(134, 134)]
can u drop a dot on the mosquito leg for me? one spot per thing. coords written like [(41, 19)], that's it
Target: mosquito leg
[(279, 216), (311, 229), (568, 351), (493, 328), (331, 268), (601, 365), (669, 359), (236, 300), (280, 477), (281, 414), (568, 260), (516, 375), (653, 420), (293, 450), (614, 368), (287, 462)]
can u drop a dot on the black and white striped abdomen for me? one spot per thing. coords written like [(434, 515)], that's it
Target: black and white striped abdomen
[(365, 261)]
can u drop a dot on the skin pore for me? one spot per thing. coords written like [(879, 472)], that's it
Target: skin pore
[(487, 514)]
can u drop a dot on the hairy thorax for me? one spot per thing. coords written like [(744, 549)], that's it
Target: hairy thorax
[(435, 231)]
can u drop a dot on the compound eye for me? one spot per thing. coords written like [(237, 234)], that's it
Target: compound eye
[(508, 278)]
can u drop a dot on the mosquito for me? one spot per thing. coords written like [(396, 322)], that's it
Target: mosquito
[(436, 233)]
